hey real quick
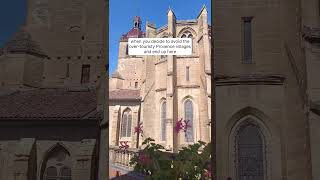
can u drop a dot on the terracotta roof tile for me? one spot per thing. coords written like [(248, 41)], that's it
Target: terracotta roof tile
[(48, 103), (133, 33)]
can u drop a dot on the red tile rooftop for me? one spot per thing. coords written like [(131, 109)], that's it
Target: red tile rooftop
[(49, 104)]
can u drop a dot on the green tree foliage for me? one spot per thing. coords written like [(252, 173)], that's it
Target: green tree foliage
[(192, 162)]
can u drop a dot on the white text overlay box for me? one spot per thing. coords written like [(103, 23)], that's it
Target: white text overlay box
[(160, 46)]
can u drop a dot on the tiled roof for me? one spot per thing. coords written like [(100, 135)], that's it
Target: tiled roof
[(22, 43), (134, 33), (49, 104), (124, 94)]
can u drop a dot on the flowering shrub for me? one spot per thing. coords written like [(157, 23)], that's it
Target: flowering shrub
[(187, 164), (182, 125), (138, 129)]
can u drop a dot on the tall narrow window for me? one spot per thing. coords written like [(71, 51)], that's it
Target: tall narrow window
[(247, 39), (190, 36), (68, 70), (163, 120), (126, 124), (250, 153), (127, 49), (188, 114), (136, 85), (85, 75), (187, 73)]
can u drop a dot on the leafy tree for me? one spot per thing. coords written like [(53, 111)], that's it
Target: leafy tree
[(190, 163)]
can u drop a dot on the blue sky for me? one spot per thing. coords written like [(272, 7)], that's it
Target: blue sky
[(12, 16), (155, 11)]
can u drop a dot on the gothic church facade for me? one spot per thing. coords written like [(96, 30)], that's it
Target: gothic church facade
[(157, 91)]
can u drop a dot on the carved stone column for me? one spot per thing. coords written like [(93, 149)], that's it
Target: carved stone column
[(22, 159), (84, 159), (172, 139)]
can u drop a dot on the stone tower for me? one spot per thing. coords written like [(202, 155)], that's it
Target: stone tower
[(260, 74), (129, 71), (172, 81), (70, 33)]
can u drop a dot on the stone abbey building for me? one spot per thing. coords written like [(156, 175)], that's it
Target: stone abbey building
[(266, 58), (157, 91), (52, 78)]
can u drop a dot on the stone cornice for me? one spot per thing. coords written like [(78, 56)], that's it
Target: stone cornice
[(251, 79), (74, 122), (161, 89), (188, 86)]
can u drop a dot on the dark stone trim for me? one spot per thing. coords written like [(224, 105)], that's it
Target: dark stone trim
[(315, 108), (131, 100), (161, 89), (311, 35), (255, 79), (188, 86), (161, 61), (25, 122), (187, 56)]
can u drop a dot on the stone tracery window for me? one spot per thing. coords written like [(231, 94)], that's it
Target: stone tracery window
[(163, 120), (188, 115), (126, 123), (188, 34), (57, 166), (250, 153)]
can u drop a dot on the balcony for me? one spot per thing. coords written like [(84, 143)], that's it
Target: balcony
[(119, 163)]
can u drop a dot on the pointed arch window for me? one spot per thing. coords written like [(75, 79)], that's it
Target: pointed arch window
[(163, 120), (57, 165), (188, 114), (187, 73), (163, 56), (188, 34), (126, 123), (250, 153)]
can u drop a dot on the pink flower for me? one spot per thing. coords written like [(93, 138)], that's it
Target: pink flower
[(138, 129), (179, 126), (186, 126), (182, 125)]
